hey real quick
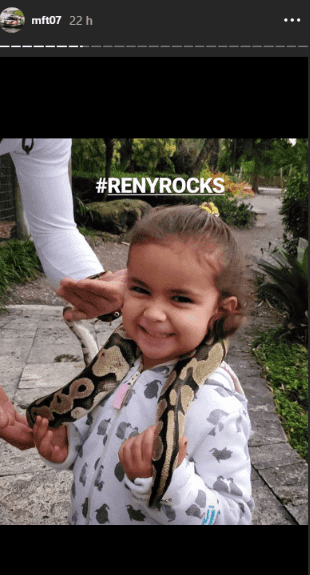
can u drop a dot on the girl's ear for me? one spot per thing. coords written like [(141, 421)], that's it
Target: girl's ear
[(230, 304)]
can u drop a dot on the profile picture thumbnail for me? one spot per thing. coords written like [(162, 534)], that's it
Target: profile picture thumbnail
[(12, 20)]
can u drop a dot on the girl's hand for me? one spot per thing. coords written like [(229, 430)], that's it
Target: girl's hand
[(14, 427), (135, 454), (52, 444), (92, 298)]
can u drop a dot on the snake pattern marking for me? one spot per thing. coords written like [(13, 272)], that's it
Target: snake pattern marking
[(104, 373)]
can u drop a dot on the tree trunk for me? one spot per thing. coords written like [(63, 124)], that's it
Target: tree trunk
[(126, 153), (255, 183), (209, 153), (109, 145)]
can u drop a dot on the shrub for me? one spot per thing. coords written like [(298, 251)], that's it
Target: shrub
[(295, 211), (233, 189), (18, 262), (234, 213), (287, 285), (295, 198)]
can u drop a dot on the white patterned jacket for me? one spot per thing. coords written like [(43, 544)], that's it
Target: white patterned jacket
[(212, 485)]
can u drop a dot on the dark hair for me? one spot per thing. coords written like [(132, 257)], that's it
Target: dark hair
[(207, 233)]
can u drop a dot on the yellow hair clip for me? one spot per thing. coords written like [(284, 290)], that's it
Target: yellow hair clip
[(211, 208)]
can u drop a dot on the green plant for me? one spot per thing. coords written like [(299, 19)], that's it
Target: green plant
[(286, 369), (287, 285), (148, 151), (18, 262), (82, 214)]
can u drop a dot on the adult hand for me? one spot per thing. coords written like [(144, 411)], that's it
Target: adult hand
[(92, 298), (52, 444), (14, 428)]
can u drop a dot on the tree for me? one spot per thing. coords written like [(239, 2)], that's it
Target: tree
[(208, 155), (256, 151)]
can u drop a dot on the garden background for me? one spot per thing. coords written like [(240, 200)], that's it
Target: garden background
[(246, 165)]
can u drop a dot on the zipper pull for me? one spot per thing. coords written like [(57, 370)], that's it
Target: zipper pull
[(124, 389), (120, 395)]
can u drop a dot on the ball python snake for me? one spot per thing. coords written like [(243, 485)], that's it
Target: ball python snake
[(104, 373)]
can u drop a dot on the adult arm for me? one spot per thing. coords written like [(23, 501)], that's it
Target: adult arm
[(48, 203)]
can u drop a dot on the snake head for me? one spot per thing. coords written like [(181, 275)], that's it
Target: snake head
[(34, 410)]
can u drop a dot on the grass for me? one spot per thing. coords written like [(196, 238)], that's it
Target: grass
[(18, 262), (286, 370)]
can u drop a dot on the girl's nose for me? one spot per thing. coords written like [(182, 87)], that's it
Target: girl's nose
[(155, 312)]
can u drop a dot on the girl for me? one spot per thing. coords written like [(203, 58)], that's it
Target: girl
[(186, 292)]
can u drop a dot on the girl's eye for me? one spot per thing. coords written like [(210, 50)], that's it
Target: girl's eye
[(182, 299), (139, 289)]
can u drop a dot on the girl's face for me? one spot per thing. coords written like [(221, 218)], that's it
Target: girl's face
[(170, 300)]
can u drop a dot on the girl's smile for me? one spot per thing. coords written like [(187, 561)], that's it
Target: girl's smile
[(170, 300), (158, 335)]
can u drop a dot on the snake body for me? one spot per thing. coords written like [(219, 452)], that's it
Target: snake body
[(86, 340), (105, 372)]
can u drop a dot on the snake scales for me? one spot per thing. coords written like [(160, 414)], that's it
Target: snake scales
[(104, 373)]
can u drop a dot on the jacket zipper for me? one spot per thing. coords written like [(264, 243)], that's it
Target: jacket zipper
[(130, 384)]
